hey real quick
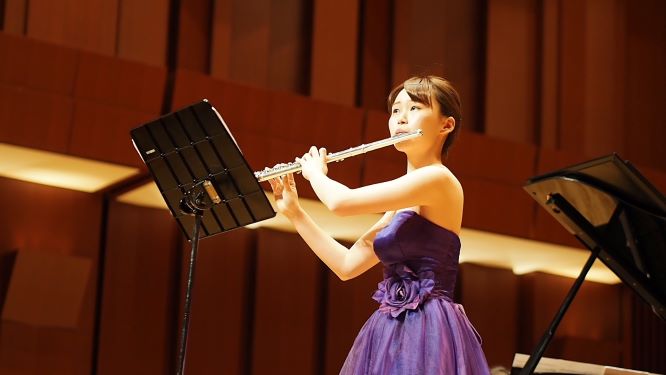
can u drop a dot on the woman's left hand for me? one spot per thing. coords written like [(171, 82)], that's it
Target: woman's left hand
[(313, 162)]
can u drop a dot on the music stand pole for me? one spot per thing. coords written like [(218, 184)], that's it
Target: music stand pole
[(204, 179), (195, 202), (182, 349)]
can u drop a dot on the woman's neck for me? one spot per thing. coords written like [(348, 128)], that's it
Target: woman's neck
[(419, 161)]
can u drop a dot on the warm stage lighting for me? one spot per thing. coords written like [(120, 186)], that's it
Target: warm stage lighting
[(484, 248), (63, 171)]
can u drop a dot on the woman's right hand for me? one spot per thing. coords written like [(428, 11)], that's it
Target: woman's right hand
[(286, 196)]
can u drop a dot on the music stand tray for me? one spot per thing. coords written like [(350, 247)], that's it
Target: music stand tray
[(185, 148)]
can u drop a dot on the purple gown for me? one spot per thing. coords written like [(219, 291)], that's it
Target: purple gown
[(417, 329)]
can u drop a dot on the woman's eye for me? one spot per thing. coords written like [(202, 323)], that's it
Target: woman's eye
[(395, 110), (414, 108)]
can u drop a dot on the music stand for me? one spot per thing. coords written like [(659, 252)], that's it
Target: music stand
[(204, 180), (619, 216)]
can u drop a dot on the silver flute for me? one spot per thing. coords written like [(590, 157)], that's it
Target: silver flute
[(294, 167)]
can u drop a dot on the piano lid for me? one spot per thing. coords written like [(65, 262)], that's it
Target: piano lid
[(625, 211)]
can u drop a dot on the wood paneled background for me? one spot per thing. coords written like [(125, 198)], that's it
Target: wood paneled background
[(544, 84)]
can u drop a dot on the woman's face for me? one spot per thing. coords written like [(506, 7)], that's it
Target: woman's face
[(408, 115)]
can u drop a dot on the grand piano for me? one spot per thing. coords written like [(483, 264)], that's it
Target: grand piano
[(619, 216)]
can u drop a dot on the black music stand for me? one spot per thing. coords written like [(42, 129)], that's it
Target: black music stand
[(204, 180), (619, 216)]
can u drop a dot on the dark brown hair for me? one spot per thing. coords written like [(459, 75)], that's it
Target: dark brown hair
[(421, 89)]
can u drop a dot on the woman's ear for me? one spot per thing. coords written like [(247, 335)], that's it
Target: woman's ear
[(448, 124)]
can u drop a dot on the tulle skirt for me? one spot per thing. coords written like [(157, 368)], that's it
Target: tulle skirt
[(436, 338)]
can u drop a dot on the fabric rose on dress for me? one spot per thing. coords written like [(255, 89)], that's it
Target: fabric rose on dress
[(404, 290)]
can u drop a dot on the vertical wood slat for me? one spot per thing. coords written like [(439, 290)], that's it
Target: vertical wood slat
[(572, 76), (511, 95), (645, 128), (250, 42), (137, 334), (90, 25), (220, 325), (549, 79), (334, 51), (14, 16), (454, 49), (289, 283), (142, 31), (375, 69), (499, 340), (194, 35), (604, 74), (289, 46)]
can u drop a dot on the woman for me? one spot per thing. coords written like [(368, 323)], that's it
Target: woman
[(417, 328)]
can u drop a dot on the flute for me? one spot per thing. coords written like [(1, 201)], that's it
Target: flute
[(293, 167)]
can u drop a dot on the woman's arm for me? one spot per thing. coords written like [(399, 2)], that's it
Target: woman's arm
[(426, 186), (345, 263), (421, 187)]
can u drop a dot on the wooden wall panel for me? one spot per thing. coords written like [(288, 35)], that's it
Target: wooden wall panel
[(101, 132), (375, 54), (194, 35), (492, 158), (250, 42), (594, 316), (142, 31), (490, 298), (411, 25), (42, 222), (121, 83), (221, 320), (572, 76), (14, 16), (288, 303), (220, 42), (244, 108), (37, 65), (466, 58), (492, 172), (349, 304), (511, 98), (645, 128), (90, 25), (549, 79), (604, 74), (35, 119), (454, 50), (137, 324), (289, 46), (334, 51)]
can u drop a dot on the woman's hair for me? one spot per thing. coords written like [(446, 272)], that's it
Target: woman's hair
[(421, 89)]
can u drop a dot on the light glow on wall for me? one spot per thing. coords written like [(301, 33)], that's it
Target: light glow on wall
[(520, 255), (58, 170)]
